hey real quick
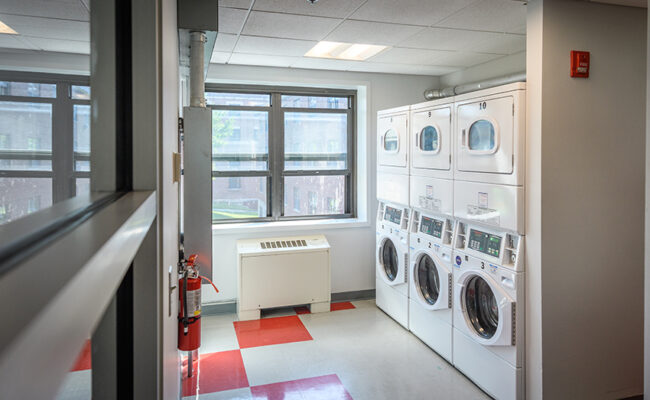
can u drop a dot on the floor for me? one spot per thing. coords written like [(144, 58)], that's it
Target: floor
[(355, 352)]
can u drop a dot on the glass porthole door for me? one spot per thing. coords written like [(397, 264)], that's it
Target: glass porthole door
[(391, 137), (481, 307), (389, 260), (427, 280), (430, 139)]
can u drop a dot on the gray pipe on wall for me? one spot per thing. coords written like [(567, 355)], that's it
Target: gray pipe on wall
[(432, 94)]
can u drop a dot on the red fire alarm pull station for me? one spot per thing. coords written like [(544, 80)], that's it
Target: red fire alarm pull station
[(579, 64)]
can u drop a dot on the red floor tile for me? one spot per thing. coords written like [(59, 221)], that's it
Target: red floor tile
[(264, 332), (215, 372), (328, 387), (344, 305), (84, 360)]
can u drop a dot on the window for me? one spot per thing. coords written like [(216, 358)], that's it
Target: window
[(34, 115), (429, 139), (391, 141), (481, 136), (276, 145)]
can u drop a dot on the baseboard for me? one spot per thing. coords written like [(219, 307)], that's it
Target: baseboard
[(231, 306)]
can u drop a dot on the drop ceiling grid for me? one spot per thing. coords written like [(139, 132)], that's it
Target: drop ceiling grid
[(54, 26), (460, 41)]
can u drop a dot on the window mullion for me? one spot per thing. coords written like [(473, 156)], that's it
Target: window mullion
[(62, 143), (277, 152)]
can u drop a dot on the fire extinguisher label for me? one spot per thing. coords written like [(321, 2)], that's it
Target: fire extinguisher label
[(194, 303)]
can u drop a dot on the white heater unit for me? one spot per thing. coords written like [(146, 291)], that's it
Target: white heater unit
[(280, 272)]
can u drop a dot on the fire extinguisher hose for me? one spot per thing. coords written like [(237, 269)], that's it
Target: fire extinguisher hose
[(209, 281), (185, 317)]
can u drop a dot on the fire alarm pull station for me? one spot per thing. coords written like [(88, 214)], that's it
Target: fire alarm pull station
[(579, 64)]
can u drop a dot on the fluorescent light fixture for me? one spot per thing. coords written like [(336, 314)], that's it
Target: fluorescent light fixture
[(4, 28), (344, 51)]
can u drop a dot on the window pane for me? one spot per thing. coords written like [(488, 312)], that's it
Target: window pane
[(240, 140), (27, 89), (314, 195), (82, 185), (238, 99), (22, 196), (239, 197), (80, 92), (315, 102), (25, 126), (315, 141), (81, 121), (82, 165)]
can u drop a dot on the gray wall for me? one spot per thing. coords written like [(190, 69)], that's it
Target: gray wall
[(646, 376), (587, 248)]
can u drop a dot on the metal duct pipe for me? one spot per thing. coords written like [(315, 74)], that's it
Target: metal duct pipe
[(433, 94), (197, 65)]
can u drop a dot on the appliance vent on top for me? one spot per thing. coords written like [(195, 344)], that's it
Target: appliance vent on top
[(279, 244)]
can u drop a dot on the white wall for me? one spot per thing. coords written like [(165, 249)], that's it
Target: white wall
[(353, 247), (586, 249), (492, 69)]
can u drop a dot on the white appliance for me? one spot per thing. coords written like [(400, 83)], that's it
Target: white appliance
[(393, 155), (490, 157), (392, 261), (430, 281), (488, 316), (431, 138), (284, 271)]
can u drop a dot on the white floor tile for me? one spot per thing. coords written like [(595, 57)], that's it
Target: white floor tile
[(236, 394), (218, 333)]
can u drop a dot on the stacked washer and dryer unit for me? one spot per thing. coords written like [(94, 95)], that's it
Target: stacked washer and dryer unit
[(393, 213), (463, 208)]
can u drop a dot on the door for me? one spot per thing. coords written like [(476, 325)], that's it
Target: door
[(431, 139), (392, 141), (432, 282), (488, 311), (390, 262), (486, 136)]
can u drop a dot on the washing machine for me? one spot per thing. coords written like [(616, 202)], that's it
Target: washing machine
[(393, 155), (488, 309), (430, 280), (392, 261)]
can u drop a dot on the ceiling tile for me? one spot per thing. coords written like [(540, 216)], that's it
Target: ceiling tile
[(48, 27), (403, 69), (219, 57), (500, 43), (288, 26), (324, 63), (371, 32), (414, 12), (489, 15), (244, 4), (398, 55), (325, 8), (259, 59), (273, 46), (231, 20), (60, 45), (467, 59), (66, 9), (443, 39), (225, 42), (15, 42)]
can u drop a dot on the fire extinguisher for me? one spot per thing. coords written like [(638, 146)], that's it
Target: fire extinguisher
[(189, 316)]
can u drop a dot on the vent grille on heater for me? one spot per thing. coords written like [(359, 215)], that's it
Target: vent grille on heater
[(281, 244)]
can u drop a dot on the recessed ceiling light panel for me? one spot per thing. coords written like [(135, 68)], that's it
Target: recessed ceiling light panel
[(344, 51), (4, 28)]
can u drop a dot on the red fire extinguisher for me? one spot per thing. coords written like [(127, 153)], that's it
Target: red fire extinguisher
[(189, 316)]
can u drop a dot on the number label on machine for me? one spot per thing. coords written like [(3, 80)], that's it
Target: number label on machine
[(485, 243)]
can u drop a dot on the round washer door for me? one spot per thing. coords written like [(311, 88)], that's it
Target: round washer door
[(481, 307), (427, 279), (389, 261)]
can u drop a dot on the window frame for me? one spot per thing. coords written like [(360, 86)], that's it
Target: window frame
[(63, 173), (275, 169)]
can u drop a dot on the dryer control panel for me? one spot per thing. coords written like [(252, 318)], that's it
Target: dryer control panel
[(499, 247)]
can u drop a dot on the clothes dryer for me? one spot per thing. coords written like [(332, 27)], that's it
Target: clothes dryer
[(392, 261), (393, 155), (430, 281), (431, 139), (488, 309)]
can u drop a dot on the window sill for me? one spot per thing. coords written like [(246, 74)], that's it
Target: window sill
[(288, 226)]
